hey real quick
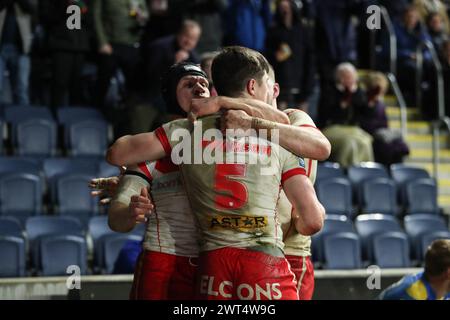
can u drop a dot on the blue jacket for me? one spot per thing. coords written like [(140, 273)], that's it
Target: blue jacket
[(246, 22)]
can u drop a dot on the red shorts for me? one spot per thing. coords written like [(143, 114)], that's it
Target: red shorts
[(162, 276), (240, 274), (304, 273)]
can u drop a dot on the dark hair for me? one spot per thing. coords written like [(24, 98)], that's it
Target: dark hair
[(437, 258), (234, 66)]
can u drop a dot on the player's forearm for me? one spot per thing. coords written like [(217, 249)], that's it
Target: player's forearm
[(254, 108), (119, 218), (302, 141), (129, 150), (311, 220)]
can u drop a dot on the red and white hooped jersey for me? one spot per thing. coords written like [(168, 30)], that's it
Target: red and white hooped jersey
[(172, 227)]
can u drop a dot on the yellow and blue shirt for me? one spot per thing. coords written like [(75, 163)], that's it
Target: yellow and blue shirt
[(411, 287)]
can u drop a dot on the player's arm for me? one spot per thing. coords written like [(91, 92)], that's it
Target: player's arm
[(132, 149), (309, 213), (252, 107), (131, 203)]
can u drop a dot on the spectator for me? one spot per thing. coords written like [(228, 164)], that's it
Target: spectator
[(290, 52), (166, 51), (68, 49), (410, 33), (208, 15), (118, 25), (341, 109), (162, 22), (427, 7), (246, 22), (445, 59), (15, 45), (436, 30), (388, 144)]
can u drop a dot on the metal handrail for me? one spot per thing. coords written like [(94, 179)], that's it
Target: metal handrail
[(392, 40), (439, 77), (436, 133), (401, 102)]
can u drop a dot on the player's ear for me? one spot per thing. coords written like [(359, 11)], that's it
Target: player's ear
[(251, 87), (276, 90)]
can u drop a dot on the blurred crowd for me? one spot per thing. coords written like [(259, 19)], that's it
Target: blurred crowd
[(116, 60)]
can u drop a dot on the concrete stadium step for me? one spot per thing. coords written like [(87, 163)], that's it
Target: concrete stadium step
[(414, 127), (390, 100), (427, 155), (444, 202), (425, 141), (444, 186), (393, 113)]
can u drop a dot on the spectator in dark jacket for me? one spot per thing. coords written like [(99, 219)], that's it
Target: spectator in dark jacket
[(68, 49), (15, 45), (289, 50), (246, 23), (436, 30)]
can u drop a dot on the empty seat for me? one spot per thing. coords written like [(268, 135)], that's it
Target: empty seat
[(107, 170), (73, 194), (402, 173), (38, 228), (60, 166), (19, 164), (36, 137), (10, 226), (20, 195), (59, 252), (66, 115), (379, 196), (421, 196), (328, 170), (15, 114), (88, 138), (98, 227), (342, 251), (360, 173), (370, 225), (418, 225), (12, 252), (391, 250), (111, 246), (332, 224), (335, 194)]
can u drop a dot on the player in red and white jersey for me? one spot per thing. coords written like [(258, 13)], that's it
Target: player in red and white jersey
[(269, 267)]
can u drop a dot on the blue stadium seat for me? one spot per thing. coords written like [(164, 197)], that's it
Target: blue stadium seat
[(418, 225), (73, 193), (20, 164), (370, 225), (60, 166), (379, 196), (39, 227), (391, 250), (326, 170), (111, 246), (421, 196), (15, 114), (61, 251), (107, 170), (10, 226), (360, 173), (332, 224), (67, 115), (88, 138), (335, 194), (20, 195), (36, 137), (13, 260), (402, 173), (98, 227), (428, 238), (342, 251)]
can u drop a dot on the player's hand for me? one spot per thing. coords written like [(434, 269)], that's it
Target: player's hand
[(203, 107), (236, 119), (140, 206), (105, 188)]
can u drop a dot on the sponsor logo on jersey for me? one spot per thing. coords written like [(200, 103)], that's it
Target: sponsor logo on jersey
[(238, 222)]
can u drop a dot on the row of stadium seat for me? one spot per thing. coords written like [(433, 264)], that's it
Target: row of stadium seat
[(48, 245), (376, 239), (30, 187), (369, 188), (33, 131)]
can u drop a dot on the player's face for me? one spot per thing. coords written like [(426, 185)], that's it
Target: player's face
[(190, 87), (263, 90), (189, 38)]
